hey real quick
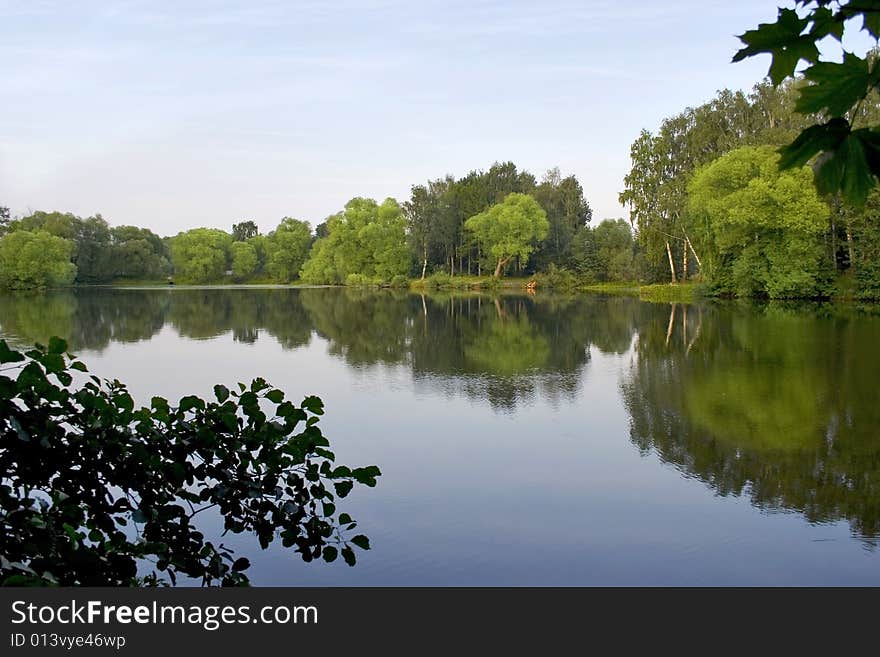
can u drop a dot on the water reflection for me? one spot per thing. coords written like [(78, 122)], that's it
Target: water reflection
[(775, 403)]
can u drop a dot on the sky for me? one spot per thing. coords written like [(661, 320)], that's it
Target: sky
[(184, 114)]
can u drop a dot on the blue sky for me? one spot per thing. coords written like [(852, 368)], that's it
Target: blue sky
[(182, 114)]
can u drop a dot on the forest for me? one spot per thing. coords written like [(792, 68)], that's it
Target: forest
[(708, 205)]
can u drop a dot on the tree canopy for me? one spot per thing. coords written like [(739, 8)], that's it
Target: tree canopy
[(760, 229), (509, 229), (366, 238), (35, 260)]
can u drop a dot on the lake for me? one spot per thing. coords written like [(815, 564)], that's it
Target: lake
[(536, 440)]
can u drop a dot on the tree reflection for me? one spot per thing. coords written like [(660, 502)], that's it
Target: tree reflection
[(777, 403)]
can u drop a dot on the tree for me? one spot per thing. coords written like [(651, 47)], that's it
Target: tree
[(200, 255), (760, 228), (567, 210), (509, 229), (849, 156), (244, 231), (138, 253), (287, 248), (81, 467), (35, 260), (4, 219), (244, 260), (366, 238)]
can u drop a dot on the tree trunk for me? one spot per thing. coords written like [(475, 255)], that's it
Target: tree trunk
[(696, 257), (684, 263), (424, 262), (849, 247), (499, 267), (834, 242), (671, 263)]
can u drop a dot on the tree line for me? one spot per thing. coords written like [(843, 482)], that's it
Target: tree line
[(487, 223), (709, 201)]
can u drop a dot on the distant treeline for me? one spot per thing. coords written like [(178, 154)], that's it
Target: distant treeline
[(489, 222), (707, 203)]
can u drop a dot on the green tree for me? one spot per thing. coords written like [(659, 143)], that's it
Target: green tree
[(81, 465), (244, 260), (567, 211), (760, 228), (138, 253), (366, 238), (200, 255), (509, 229), (287, 248), (35, 260)]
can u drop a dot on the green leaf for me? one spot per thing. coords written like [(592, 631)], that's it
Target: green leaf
[(343, 488), (330, 553), (835, 87), (79, 366), (221, 392), (344, 519), (784, 41), (361, 541), (275, 396), (815, 139), (57, 345), (348, 555), (242, 563), (8, 355)]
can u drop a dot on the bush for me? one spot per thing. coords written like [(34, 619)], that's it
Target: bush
[(356, 280), (93, 490), (399, 281), (557, 279)]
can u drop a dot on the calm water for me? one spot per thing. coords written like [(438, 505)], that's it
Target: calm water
[(538, 440)]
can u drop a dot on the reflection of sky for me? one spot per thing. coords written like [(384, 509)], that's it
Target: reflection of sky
[(541, 494), (173, 115)]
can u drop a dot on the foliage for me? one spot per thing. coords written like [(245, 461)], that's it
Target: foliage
[(92, 489), (366, 238), (35, 260), (663, 163), (760, 229), (200, 255), (567, 212), (138, 253), (244, 230), (849, 156), (606, 252), (287, 248), (4, 219), (244, 260), (509, 229), (556, 279)]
